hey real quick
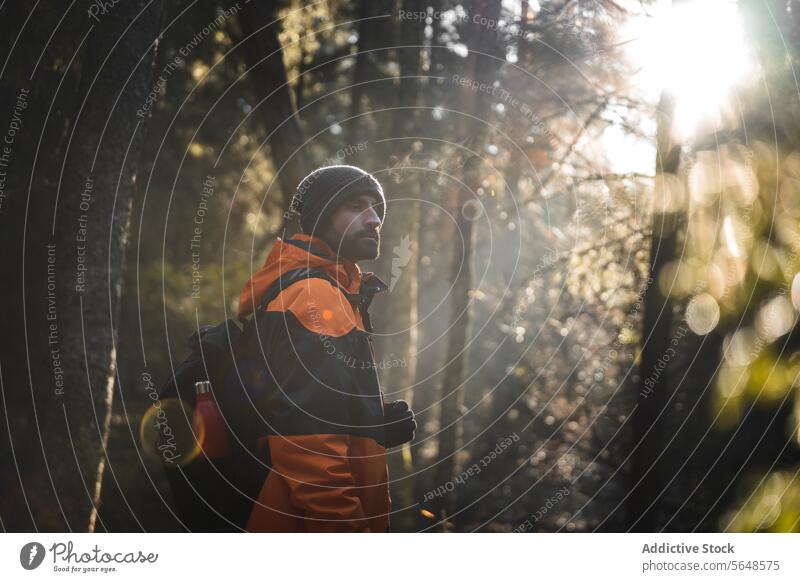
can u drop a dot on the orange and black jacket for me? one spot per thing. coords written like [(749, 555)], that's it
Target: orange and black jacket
[(318, 398)]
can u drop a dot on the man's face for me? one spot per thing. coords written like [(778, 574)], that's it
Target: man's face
[(353, 230)]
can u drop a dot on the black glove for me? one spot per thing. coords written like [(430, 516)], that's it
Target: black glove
[(399, 423)]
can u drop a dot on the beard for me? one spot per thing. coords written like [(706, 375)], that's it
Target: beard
[(361, 246)]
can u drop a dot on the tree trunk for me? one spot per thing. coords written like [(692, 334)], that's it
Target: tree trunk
[(483, 69), (264, 57), (401, 231), (656, 329), (74, 246), (400, 236), (42, 105), (375, 32), (513, 171)]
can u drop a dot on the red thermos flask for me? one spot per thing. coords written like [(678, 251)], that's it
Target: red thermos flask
[(208, 424)]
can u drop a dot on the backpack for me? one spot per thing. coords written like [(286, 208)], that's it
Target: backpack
[(217, 495)]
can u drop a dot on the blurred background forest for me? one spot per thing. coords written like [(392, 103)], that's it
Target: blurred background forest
[(592, 241)]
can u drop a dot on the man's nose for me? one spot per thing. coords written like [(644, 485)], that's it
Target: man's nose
[(371, 219)]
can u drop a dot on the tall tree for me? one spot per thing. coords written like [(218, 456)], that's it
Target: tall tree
[(652, 399), (656, 327), (71, 278), (403, 228), (92, 222), (480, 66), (263, 54), (376, 34), (397, 349)]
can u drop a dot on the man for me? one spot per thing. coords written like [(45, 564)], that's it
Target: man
[(328, 428)]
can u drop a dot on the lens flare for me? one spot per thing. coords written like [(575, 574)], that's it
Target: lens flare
[(166, 434)]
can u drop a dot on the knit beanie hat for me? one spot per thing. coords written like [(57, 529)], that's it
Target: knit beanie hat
[(324, 189)]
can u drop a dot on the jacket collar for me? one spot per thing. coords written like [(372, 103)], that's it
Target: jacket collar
[(304, 250), (345, 271)]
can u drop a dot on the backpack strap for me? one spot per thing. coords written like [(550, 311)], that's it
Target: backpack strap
[(362, 300), (289, 278), (309, 248)]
